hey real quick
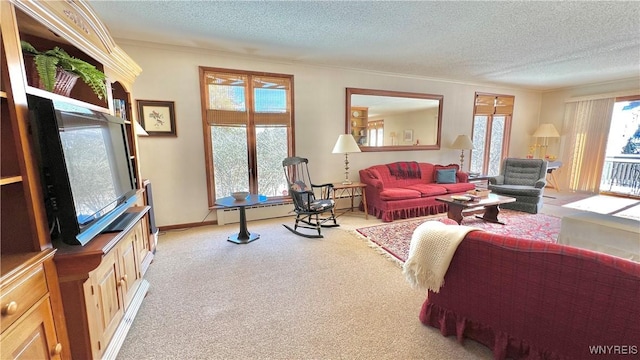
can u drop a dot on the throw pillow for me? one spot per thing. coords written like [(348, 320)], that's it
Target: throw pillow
[(447, 176), (443, 167), (299, 186)]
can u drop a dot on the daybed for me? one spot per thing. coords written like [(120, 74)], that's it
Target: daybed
[(534, 300), (403, 190), (605, 233)]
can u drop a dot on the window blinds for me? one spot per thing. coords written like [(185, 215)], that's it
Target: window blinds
[(231, 96), (494, 105)]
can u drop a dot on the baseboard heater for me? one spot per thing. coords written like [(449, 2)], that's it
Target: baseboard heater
[(258, 212)]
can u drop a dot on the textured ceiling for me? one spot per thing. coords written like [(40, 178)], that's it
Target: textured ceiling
[(537, 45)]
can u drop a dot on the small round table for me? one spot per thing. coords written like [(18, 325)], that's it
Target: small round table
[(244, 236)]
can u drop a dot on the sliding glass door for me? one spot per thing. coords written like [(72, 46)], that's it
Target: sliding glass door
[(621, 170)]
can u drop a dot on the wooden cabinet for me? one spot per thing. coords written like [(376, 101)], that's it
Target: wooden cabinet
[(105, 307), (144, 246), (103, 282), (359, 122), (32, 322), (28, 325), (51, 293)]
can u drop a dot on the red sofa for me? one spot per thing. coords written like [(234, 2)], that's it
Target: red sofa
[(392, 194), (536, 300)]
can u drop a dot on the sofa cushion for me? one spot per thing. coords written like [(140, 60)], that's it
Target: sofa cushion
[(428, 189), (399, 194), (458, 187), (446, 176), (510, 190)]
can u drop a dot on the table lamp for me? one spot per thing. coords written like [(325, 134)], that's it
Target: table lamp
[(462, 142), (346, 144), (545, 131)]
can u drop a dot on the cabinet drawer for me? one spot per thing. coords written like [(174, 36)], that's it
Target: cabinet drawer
[(19, 295)]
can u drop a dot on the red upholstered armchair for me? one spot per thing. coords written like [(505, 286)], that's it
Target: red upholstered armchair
[(535, 300)]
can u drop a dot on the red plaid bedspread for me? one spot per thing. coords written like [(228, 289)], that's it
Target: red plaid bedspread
[(536, 300)]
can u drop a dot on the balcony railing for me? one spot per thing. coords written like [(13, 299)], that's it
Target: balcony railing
[(621, 174)]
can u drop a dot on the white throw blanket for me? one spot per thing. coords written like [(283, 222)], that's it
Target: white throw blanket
[(433, 244)]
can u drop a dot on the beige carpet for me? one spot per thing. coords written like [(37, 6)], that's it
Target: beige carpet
[(282, 297)]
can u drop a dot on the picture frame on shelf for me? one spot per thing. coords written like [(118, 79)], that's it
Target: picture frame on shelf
[(157, 118), (407, 135)]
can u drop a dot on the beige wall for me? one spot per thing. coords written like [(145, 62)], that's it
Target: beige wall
[(176, 165)]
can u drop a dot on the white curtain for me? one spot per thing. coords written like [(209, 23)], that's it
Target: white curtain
[(586, 130)]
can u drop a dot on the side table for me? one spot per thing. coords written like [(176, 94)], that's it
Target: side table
[(244, 236), (480, 179), (352, 190), (551, 179)]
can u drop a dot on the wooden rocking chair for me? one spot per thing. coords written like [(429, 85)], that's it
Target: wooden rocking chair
[(311, 212)]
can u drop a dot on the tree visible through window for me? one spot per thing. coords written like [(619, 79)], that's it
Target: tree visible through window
[(491, 131), (248, 129)]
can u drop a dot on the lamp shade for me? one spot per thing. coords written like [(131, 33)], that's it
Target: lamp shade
[(139, 129), (462, 142), (546, 130), (346, 144)]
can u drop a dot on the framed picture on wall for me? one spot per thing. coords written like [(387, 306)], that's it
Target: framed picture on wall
[(158, 118), (407, 136)]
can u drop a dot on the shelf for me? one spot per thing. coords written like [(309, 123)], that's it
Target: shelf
[(25, 230), (55, 97), (10, 180)]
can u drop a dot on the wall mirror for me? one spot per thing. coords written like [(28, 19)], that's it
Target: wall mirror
[(383, 120)]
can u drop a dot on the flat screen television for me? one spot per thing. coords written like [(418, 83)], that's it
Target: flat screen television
[(85, 168)]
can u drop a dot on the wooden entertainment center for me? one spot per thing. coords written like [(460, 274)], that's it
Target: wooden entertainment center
[(62, 301)]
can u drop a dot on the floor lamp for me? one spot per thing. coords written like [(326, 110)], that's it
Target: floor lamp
[(346, 144), (462, 142), (545, 131)]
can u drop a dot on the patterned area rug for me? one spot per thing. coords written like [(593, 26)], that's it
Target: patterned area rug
[(395, 237)]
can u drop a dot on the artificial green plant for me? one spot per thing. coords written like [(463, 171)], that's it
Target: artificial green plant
[(47, 62)]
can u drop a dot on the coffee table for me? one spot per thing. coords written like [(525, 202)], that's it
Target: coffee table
[(491, 205)]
